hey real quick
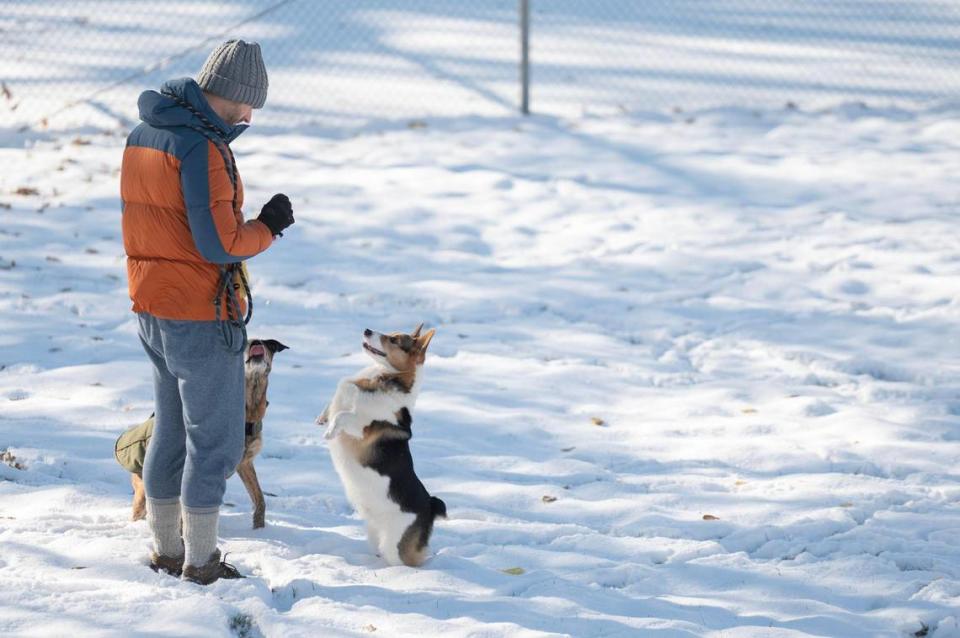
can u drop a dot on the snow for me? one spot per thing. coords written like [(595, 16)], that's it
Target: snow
[(722, 339), (759, 306)]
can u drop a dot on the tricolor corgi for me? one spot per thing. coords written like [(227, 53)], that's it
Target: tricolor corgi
[(369, 424)]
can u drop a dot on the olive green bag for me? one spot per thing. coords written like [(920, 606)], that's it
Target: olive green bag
[(131, 447)]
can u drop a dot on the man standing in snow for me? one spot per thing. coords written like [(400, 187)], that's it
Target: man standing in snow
[(185, 240)]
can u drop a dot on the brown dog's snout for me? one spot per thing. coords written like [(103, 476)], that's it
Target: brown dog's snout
[(368, 332)]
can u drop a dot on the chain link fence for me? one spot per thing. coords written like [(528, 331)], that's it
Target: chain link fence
[(344, 64)]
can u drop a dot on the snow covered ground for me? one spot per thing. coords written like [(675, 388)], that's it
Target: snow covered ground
[(694, 375)]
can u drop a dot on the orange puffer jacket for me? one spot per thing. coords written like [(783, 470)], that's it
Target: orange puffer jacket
[(179, 224)]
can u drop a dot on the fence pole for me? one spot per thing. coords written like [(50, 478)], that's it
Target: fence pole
[(525, 57)]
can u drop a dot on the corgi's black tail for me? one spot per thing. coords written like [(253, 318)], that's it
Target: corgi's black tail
[(438, 507)]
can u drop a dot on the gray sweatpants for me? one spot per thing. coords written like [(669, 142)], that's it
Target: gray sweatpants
[(198, 436)]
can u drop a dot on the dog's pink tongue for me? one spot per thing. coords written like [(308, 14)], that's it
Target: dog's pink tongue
[(257, 351)]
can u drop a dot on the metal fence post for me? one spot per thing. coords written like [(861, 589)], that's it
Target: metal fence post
[(525, 57)]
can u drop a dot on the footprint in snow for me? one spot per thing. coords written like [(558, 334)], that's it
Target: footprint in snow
[(854, 287), (818, 409)]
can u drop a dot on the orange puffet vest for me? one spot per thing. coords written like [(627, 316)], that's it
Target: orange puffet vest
[(179, 223)]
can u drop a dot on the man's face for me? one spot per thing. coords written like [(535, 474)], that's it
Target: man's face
[(239, 113), (231, 112)]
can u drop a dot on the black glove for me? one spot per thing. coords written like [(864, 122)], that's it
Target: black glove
[(277, 214)]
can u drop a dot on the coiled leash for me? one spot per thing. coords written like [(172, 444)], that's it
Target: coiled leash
[(229, 273), (228, 288)]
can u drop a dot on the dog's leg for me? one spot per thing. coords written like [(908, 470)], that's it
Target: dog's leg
[(139, 498), (344, 422), (322, 419), (389, 541), (412, 545), (249, 477), (373, 538)]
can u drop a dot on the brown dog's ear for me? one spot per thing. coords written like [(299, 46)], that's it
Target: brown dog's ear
[(274, 345), (416, 333), (424, 341)]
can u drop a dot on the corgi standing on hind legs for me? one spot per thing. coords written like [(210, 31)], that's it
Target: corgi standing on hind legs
[(369, 425)]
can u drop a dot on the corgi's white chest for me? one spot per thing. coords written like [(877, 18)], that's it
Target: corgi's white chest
[(366, 407)]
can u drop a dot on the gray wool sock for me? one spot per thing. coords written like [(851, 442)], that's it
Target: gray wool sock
[(200, 534), (163, 516)]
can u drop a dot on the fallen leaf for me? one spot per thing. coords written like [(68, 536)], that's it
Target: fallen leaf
[(568, 449), (749, 410), (370, 628), (514, 571), (415, 124), (710, 517), (740, 482), (27, 190), (597, 420), (549, 499), (846, 504), (79, 141)]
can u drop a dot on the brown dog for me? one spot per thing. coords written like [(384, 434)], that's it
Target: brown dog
[(257, 365)]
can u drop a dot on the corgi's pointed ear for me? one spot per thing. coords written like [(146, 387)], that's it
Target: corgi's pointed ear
[(416, 333), (274, 345), (424, 341)]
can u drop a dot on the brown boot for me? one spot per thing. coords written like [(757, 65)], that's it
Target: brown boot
[(167, 564), (212, 571)]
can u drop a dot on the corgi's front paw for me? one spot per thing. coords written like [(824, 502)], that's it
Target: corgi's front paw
[(332, 431), (345, 422), (322, 419)]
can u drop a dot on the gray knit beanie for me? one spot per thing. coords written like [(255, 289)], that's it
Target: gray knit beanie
[(235, 71)]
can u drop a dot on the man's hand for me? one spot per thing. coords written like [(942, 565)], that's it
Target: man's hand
[(277, 214)]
